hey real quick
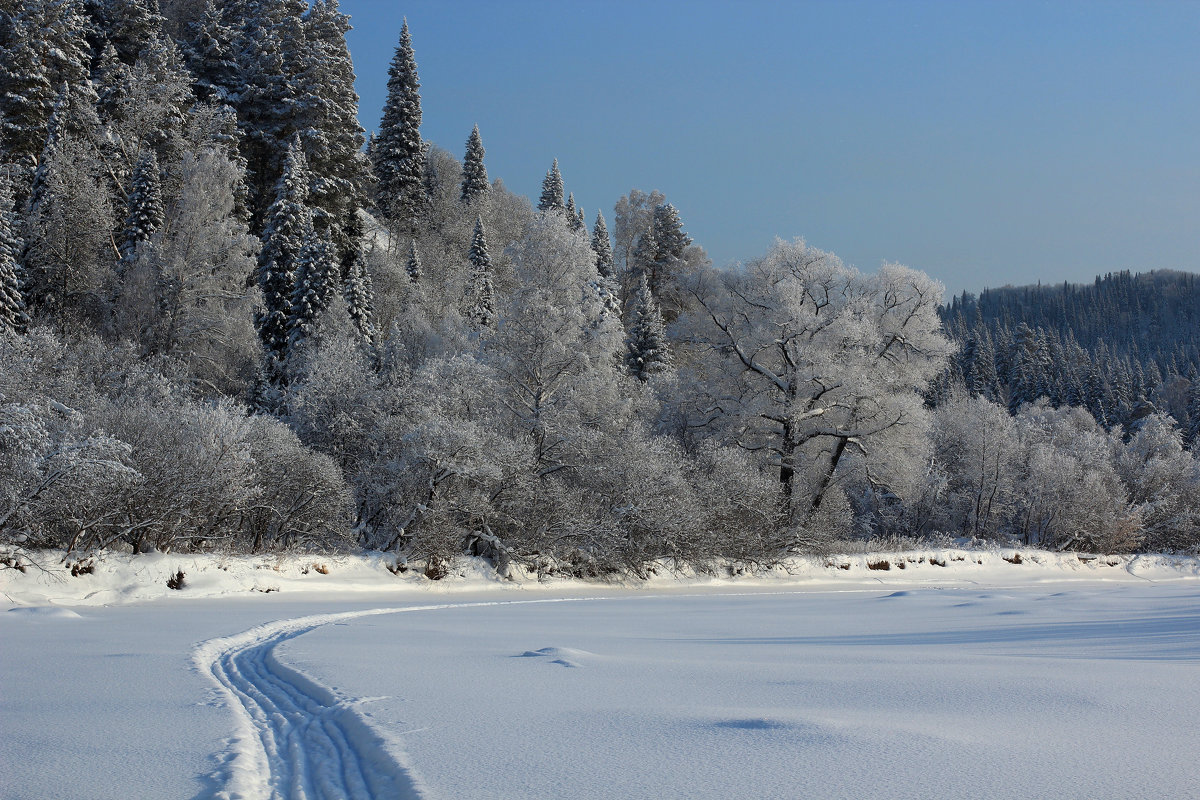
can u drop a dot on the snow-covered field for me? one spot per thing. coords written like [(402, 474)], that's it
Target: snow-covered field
[(1060, 679)]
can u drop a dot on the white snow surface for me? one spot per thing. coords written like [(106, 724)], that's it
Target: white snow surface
[(1054, 677)]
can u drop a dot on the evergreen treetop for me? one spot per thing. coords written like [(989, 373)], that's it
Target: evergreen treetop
[(552, 190), (399, 151), (475, 178), (145, 214), (482, 307), (602, 247), (647, 351)]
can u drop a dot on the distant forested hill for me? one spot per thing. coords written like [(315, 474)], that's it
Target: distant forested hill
[(1110, 346)]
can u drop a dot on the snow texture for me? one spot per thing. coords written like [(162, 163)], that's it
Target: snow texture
[(1054, 676)]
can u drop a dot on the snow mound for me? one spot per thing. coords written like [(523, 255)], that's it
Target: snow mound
[(117, 579), (44, 612)]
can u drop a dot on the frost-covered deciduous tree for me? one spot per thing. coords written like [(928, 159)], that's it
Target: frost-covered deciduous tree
[(633, 215), (185, 294), (977, 448), (822, 367), (69, 250), (1163, 484), (1071, 497)]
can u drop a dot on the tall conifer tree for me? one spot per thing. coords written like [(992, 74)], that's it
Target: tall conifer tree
[(360, 301), (144, 207), (482, 307), (13, 316), (288, 228), (399, 152), (552, 190), (647, 351), (602, 247), (413, 268), (317, 279), (475, 177)]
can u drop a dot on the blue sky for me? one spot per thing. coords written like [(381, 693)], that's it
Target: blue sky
[(985, 143)]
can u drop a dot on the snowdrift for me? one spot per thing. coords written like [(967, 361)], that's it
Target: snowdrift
[(110, 578)]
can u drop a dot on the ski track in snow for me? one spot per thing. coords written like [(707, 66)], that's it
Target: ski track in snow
[(296, 739)]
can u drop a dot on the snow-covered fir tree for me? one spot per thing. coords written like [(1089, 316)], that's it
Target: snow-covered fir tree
[(399, 151), (1192, 436), (481, 301), (359, 295), (13, 315), (327, 118), (552, 190), (270, 48), (317, 280), (144, 212), (209, 52), (574, 215), (413, 266), (475, 178), (128, 25), (288, 229), (602, 247), (647, 350), (42, 49)]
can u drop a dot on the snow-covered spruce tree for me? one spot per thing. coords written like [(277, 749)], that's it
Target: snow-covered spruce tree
[(270, 49), (42, 47), (669, 260), (647, 351), (574, 214), (327, 116), (144, 213), (399, 152), (317, 279), (359, 295), (1192, 436), (552, 190), (481, 301), (413, 267), (208, 50), (602, 248), (13, 316), (288, 227), (641, 261), (128, 25), (475, 178)]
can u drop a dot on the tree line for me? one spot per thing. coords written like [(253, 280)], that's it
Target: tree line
[(230, 320)]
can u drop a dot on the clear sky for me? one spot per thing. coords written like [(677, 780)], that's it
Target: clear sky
[(983, 142)]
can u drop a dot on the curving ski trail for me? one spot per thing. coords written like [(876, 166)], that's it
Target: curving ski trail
[(296, 739)]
